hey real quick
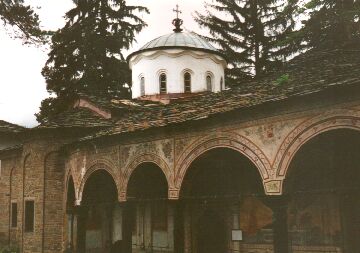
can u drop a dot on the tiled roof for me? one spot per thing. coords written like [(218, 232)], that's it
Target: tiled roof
[(311, 72), (76, 117), (6, 127)]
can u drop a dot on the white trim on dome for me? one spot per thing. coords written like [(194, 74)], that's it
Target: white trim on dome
[(175, 62), (174, 53)]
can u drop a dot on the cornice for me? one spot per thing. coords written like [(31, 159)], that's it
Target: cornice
[(176, 53)]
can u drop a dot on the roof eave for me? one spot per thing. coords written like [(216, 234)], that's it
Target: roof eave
[(128, 58)]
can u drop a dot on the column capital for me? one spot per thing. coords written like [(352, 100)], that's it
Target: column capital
[(273, 187), (173, 194), (77, 202), (122, 197)]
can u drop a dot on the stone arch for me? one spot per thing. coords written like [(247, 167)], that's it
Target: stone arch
[(222, 140), (26, 160), (186, 70), (25, 166), (13, 170), (93, 167), (345, 119), (71, 173), (11, 180), (145, 158)]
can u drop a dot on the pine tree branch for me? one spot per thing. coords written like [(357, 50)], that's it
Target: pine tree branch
[(25, 21)]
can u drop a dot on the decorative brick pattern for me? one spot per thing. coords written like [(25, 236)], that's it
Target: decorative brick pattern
[(337, 119), (101, 164), (225, 140), (152, 158)]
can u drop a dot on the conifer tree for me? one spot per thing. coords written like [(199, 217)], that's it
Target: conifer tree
[(251, 34), (86, 54), (330, 23), (23, 19)]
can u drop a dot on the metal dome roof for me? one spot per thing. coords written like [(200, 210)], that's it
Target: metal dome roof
[(181, 39), (185, 40)]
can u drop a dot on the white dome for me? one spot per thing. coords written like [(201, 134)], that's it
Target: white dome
[(175, 65), (184, 40)]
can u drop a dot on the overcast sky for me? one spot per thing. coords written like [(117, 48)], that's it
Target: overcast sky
[(22, 87)]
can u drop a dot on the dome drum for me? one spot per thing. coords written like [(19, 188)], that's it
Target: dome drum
[(176, 65)]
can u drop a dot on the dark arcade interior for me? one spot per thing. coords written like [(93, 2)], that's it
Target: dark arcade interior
[(223, 192), (324, 193)]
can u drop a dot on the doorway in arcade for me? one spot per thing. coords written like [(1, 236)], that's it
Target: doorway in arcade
[(149, 215), (99, 216), (222, 198)]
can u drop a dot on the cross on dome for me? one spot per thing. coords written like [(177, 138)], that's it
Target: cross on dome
[(177, 11), (176, 65), (177, 22)]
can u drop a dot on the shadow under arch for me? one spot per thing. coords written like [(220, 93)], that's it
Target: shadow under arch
[(147, 206), (99, 202), (138, 162), (221, 171), (308, 130), (69, 207), (69, 174), (322, 188), (70, 192), (334, 147), (232, 141), (94, 168), (147, 181), (98, 182), (222, 191)]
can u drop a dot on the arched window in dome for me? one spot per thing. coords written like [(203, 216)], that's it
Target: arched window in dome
[(142, 86), (208, 82), (162, 81), (187, 82)]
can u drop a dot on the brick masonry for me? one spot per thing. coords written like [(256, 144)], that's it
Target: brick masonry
[(41, 171)]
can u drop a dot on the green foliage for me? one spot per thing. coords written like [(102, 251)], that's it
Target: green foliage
[(24, 20), (11, 249), (283, 79), (252, 34), (53, 106), (329, 23), (86, 54)]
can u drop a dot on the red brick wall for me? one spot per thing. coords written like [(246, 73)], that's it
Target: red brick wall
[(33, 190), (54, 205), (16, 196), (4, 200), (28, 176)]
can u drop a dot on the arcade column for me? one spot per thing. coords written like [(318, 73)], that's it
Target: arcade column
[(279, 206), (79, 229)]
